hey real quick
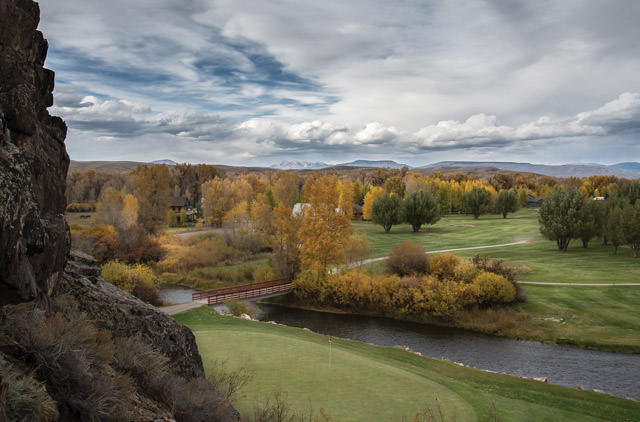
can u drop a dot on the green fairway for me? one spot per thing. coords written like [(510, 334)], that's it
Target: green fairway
[(595, 317), (595, 264), (369, 383)]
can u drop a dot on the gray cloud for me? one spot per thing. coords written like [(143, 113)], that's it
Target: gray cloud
[(245, 80)]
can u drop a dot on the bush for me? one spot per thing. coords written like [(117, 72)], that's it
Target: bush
[(497, 266), (239, 307), (493, 288), (23, 398), (72, 356), (465, 272), (408, 258), (138, 280), (264, 272), (443, 266)]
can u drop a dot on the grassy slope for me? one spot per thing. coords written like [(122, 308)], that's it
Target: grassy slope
[(606, 318), (381, 384)]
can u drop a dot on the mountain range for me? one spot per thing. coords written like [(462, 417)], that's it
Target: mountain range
[(304, 165), (626, 170)]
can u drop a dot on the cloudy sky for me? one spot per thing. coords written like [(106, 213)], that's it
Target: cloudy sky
[(418, 81)]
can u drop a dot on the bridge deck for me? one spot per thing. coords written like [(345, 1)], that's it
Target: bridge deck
[(245, 291)]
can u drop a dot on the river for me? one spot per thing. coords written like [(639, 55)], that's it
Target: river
[(617, 374)]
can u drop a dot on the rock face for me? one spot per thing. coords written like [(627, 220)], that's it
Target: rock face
[(34, 240), (125, 315)]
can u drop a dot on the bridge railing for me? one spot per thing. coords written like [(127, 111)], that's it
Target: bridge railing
[(244, 291)]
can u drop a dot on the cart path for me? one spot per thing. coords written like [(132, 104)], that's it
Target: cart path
[(552, 283), (384, 258)]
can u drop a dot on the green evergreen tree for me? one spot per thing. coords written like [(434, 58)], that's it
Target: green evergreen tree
[(587, 227), (631, 227), (615, 227), (477, 201), (559, 217), (387, 211), (506, 202), (420, 208)]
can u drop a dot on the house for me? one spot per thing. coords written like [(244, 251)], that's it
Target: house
[(299, 208), (532, 201), (178, 205)]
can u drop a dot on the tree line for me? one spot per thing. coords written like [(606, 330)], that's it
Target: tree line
[(569, 215)]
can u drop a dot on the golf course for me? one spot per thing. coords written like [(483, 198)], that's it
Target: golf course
[(369, 383), (596, 317)]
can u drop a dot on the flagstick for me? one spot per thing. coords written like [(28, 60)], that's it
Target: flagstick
[(329, 355)]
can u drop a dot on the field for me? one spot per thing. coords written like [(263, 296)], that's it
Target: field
[(605, 318), (369, 383), (80, 218)]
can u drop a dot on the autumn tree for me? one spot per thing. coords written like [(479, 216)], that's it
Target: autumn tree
[(287, 242), (109, 207), (387, 211), (152, 189), (358, 192), (420, 207), (325, 231), (129, 215), (506, 202), (372, 195), (559, 217), (287, 188), (345, 202), (477, 201)]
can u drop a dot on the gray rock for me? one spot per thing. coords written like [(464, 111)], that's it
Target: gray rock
[(34, 240)]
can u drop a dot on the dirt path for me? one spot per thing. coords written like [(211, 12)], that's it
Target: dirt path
[(195, 233), (181, 307), (384, 258)]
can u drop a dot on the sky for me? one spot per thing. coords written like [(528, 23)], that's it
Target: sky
[(416, 81)]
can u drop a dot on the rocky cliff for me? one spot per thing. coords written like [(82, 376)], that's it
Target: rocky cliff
[(35, 263), (34, 241)]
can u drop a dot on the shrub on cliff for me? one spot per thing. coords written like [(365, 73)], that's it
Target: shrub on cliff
[(136, 279), (23, 398), (73, 358)]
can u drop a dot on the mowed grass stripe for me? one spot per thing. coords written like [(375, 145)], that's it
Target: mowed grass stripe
[(371, 383), (595, 264)]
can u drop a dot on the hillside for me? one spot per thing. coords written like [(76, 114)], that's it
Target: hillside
[(565, 170)]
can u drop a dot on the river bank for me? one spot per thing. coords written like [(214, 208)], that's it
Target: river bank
[(580, 317)]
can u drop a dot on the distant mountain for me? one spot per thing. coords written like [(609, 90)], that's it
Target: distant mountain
[(165, 161), (299, 165), (631, 167), (369, 163), (565, 170)]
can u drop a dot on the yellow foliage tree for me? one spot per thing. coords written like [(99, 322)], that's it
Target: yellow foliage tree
[(129, 211), (346, 197), (325, 231), (374, 193)]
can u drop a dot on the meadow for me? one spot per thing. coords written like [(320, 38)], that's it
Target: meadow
[(365, 382)]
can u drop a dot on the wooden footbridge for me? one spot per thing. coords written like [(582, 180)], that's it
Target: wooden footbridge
[(263, 289)]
